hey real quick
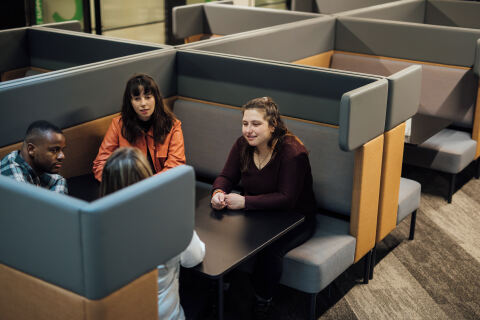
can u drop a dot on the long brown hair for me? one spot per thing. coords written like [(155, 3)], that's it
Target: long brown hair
[(124, 167), (162, 118), (272, 115)]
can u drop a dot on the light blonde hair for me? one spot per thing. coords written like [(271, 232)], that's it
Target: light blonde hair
[(124, 167)]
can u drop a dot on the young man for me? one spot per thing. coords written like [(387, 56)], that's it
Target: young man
[(40, 158)]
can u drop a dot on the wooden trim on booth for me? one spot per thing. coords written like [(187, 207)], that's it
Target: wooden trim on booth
[(365, 195), (239, 108), (199, 37), (24, 297), (402, 60), (319, 60), (390, 180), (476, 123)]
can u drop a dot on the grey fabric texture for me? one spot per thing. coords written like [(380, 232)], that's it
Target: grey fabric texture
[(40, 233), (464, 14), (329, 7), (74, 49), (71, 97), (403, 40), (362, 114), (188, 20), (229, 80), (448, 151), (404, 88), (313, 265), (279, 43), (94, 249), (404, 85), (73, 25), (445, 92), (476, 66), (14, 53), (332, 168), (206, 146), (225, 20), (408, 198), (405, 10), (303, 6)]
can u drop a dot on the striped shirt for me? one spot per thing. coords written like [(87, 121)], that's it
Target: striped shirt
[(14, 166)]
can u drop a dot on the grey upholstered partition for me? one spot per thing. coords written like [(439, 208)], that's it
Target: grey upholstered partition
[(220, 19), (329, 7), (75, 95), (288, 42), (73, 25), (305, 93), (95, 248)]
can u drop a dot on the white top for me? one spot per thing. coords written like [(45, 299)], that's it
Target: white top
[(169, 307)]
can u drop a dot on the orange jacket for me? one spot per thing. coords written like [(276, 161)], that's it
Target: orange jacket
[(165, 156)]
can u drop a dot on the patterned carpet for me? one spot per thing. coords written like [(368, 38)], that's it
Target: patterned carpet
[(436, 276)]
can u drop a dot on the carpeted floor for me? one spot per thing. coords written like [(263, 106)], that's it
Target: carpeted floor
[(436, 276)]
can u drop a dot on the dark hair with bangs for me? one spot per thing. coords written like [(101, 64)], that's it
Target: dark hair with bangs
[(272, 115), (162, 118)]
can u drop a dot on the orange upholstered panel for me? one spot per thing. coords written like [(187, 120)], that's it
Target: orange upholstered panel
[(366, 188), (390, 180), (319, 60), (23, 297)]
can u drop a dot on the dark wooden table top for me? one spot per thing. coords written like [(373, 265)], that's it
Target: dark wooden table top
[(231, 237), (424, 127)]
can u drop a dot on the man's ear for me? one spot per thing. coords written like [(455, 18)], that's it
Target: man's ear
[(31, 148)]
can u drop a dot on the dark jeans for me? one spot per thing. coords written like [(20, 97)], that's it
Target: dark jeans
[(268, 266)]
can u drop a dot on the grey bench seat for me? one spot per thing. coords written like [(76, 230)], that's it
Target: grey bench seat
[(448, 151), (321, 259), (408, 198)]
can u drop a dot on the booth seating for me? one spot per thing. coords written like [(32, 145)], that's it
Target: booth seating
[(38, 50), (210, 20), (449, 87), (345, 158), (329, 7), (63, 258)]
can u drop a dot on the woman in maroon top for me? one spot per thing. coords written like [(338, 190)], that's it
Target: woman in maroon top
[(275, 172)]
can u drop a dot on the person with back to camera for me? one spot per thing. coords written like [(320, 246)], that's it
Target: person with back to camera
[(275, 172), (39, 160), (127, 166), (147, 124)]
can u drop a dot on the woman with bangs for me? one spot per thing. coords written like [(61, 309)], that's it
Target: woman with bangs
[(147, 124), (274, 169)]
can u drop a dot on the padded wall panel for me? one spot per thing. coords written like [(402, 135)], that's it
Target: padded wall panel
[(75, 96), (462, 14), (188, 20), (300, 92), (406, 10), (225, 20), (328, 7), (40, 234), (14, 53), (56, 49), (118, 247), (332, 168), (279, 43), (421, 42)]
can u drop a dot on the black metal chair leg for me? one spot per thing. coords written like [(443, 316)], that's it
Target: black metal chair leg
[(372, 263), (412, 225), (366, 271), (312, 307), (477, 172), (451, 187)]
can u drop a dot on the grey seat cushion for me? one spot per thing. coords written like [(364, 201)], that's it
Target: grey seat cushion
[(408, 198), (448, 151), (311, 266)]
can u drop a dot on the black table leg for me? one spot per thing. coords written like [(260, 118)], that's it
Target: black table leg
[(220, 298)]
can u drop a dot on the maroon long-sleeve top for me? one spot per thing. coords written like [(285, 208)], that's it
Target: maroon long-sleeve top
[(285, 183)]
